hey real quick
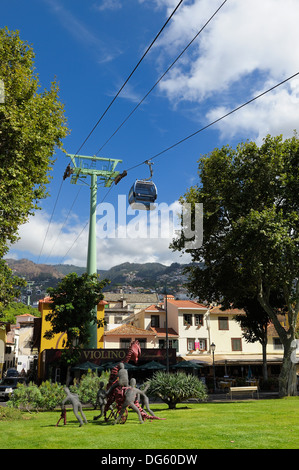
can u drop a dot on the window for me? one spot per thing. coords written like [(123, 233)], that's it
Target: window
[(193, 344), (172, 343), (236, 344), (277, 343), (142, 342), (223, 323), (155, 321), (187, 319), (125, 343), (198, 320), (202, 343)]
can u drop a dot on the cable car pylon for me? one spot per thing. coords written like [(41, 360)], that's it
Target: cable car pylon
[(84, 166)]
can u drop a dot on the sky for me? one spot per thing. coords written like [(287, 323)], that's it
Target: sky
[(91, 47)]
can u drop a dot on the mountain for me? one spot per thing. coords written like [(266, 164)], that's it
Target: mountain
[(32, 271), (131, 275)]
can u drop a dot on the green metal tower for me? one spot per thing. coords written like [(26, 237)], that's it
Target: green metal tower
[(101, 172)]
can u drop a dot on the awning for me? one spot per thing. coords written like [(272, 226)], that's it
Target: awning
[(237, 359), (201, 360)]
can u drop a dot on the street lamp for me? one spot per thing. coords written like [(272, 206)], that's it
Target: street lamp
[(213, 347)]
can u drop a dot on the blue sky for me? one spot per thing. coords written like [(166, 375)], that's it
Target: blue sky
[(92, 46)]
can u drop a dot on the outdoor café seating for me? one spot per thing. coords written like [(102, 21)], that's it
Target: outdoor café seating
[(226, 382)]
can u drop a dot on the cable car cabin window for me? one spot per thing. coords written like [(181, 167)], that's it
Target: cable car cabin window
[(142, 195), (143, 189)]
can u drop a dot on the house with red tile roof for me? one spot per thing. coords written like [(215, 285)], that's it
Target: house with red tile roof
[(189, 319), (122, 336)]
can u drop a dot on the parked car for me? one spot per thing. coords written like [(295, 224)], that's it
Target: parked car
[(12, 373), (8, 385)]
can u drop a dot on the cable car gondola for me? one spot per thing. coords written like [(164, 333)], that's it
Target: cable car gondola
[(143, 193)]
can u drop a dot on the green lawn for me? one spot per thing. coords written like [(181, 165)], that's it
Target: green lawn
[(256, 424)]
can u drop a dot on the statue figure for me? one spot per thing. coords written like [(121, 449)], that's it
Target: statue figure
[(77, 406), (144, 398), (130, 400), (120, 395), (101, 400), (62, 416), (122, 379)]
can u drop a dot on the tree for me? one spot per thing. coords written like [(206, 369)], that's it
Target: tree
[(10, 286), (72, 304), (32, 125), (9, 313), (250, 241), (175, 388), (254, 326)]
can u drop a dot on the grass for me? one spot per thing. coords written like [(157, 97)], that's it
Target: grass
[(256, 424)]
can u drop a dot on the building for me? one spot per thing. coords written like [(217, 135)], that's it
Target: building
[(189, 319), (120, 306), (122, 336), (24, 331), (58, 342), (193, 327), (190, 328), (4, 329)]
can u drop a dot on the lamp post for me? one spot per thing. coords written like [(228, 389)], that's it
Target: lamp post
[(166, 325), (213, 347)]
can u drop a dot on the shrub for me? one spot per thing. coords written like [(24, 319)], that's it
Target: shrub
[(173, 388), (52, 395), (89, 386), (26, 396), (31, 397), (10, 414)]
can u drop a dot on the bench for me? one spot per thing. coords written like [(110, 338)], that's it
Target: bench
[(249, 388)]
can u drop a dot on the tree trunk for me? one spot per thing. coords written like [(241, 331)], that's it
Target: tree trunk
[(265, 366), (288, 377)]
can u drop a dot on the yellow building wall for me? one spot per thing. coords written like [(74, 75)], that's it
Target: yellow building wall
[(100, 332), (59, 340), (2, 347)]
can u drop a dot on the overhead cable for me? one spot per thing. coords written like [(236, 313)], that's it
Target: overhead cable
[(50, 221), (215, 122), (133, 71), (162, 76), (68, 170), (192, 135)]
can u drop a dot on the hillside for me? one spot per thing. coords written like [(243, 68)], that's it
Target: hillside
[(131, 275), (32, 271)]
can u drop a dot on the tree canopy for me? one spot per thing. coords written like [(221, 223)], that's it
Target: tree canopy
[(250, 233), (72, 304), (32, 126), (14, 309)]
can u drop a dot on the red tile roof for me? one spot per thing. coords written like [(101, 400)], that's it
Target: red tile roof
[(187, 304), (161, 332), (129, 330), (154, 308), (25, 315), (230, 311)]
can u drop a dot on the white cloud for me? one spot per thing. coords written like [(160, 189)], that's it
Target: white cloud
[(108, 5), (39, 238), (246, 46), (276, 113), (68, 244)]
